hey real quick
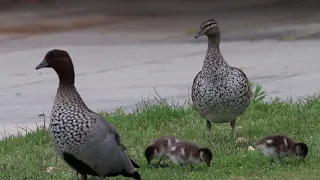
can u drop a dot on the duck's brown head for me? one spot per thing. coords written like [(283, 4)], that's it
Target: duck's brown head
[(61, 62)]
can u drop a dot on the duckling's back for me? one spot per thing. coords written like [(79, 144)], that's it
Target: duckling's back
[(165, 141)]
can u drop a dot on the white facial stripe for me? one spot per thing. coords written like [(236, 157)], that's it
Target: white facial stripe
[(183, 153), (207, 28), (285, 142), (202, 155), (210, 23), (298, 150), (173, 148), (269, 141), (169, 142)]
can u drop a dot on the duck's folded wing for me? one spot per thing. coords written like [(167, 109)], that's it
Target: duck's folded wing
[(112, 130), (118, 140)]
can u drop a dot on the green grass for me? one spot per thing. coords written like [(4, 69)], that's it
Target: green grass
[(30, 156)]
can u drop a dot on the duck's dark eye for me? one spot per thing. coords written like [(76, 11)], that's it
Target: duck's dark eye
[(207, 25)]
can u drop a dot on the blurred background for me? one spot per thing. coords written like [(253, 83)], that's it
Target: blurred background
[(239, 19)]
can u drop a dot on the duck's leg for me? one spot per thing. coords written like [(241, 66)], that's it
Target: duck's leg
[(163, 165), (279, 158), (271, 160), (209, 132), (159, 162), (233, 127), (208, 125), (184, 168), (181, 165)]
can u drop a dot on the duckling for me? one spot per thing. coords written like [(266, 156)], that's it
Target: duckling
[(159, 147), (279, 146), (186, 152)]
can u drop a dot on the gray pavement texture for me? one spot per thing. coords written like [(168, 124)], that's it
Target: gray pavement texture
[(119, 64)]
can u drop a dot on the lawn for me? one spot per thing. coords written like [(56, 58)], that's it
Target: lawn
[(32, 156)]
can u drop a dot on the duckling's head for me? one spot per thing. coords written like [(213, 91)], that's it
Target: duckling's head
[(150, 152), (301, 150), (209, 27), (206, 155)]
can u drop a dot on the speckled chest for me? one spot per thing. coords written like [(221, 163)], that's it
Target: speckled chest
[(69, 125), (220, 92)]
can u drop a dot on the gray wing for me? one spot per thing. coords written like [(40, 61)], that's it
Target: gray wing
[(240, 71), (103, 150), (197, 85), (118, 140), (112, 130), (107, 128), (245, 77)]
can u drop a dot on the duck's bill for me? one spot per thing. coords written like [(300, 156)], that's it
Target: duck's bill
[(199, 33), (43, 64)]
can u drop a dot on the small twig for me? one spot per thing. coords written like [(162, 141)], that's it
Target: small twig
[(189, 96), (25, 129), (163, 100), (18, 131), (4, 131)]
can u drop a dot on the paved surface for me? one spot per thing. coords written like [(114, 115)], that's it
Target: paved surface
[(122, 56)]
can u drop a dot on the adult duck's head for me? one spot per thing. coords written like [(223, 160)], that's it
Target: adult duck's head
[(209, 27), (61, 62)]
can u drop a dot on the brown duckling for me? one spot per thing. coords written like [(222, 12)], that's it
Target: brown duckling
[(159, 148), (186, 152), (279, 146)]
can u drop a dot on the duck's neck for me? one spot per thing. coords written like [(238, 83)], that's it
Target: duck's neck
[(66, 75), (68, 94), (67, 88), (214, 58)]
